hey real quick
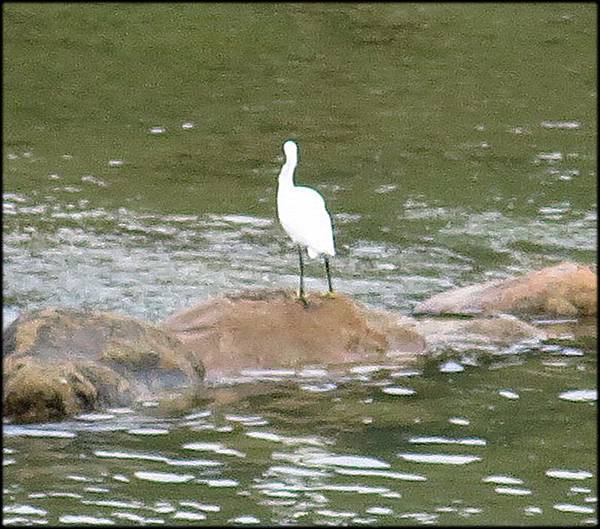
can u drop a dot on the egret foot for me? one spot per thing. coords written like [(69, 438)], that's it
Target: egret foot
[(328, 294), (303, 300)]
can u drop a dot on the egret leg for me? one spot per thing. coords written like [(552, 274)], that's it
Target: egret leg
[(328, 274), (301, 292)]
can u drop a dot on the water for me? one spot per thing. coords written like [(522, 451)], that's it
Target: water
[(453, 143)]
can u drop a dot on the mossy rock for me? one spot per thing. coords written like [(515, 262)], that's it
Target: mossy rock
[(59, 362)]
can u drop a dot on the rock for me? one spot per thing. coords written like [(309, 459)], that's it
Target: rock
[(566, 289), (272, 329), (58, 362)]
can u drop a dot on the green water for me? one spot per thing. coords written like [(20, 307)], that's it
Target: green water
[(454, 143)]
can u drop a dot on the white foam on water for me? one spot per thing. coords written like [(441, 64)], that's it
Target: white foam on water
[(268, 372), (217, 448), (550, 124), (163, 507), (443, 459), (368, 369), (391, 494), (513, 491), (580, 395), (99, 490), (460, 421), (220, 482), (508, 394), (27, 510), (359, 489), (363, 521), (163, 477), (20, 431), (322, 388), (398, 390), (503, 480), (187, 515), (94, 416), (81, 519), (245, 419), (295, 471), (64, 495), (148, 431), (245, 519), (116, 454), (568, 474), (115, 503), (313, 373), (347, 461), (94, 180), (279, 493), (336, 514), (197, 415), (405, 373), (550, 156), (267, 436), (379, 510), (577, 509), (207, 507), (244, 219), (469, 441), (137, 518), (451, 367), (119, 411), (288, 440), (193, 463), (422, 517), (74, 477)]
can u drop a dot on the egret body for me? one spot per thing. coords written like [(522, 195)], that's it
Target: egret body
[(303, 215)]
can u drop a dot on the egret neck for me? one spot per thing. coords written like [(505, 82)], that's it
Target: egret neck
[(286, 176)]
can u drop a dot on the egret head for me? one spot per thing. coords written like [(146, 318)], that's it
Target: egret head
[(290, 149)]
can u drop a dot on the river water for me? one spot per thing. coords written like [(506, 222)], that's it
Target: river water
[(454, 144)]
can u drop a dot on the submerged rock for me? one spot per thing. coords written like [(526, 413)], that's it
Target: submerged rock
[(58, 362), (274, 329), (566, 289), (459, 333)]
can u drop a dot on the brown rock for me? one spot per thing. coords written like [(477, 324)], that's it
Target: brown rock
[(58, 362), (273, 329), (566, 289)]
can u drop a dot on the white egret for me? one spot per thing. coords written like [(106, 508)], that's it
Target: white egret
[(303, 215)]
